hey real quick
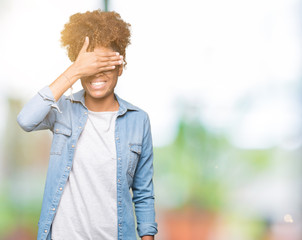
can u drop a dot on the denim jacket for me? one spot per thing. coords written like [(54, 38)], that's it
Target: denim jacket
[(66, 119)]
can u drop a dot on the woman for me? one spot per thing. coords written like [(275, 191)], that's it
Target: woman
[(102, 145)]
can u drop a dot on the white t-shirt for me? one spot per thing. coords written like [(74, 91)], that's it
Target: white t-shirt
[(88, 206)]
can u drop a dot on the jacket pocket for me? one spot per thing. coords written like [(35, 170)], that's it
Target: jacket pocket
[(60, 135), (135, 152)]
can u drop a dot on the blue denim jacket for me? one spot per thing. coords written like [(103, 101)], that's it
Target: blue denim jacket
[(66, 118)]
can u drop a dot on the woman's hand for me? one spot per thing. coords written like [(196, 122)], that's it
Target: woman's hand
[(86, 64), (90, 63)]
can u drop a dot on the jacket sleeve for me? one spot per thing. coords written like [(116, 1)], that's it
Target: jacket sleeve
[(39, 112), (142, 188)]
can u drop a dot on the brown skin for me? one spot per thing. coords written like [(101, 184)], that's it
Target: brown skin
[(101, 97), (147, 237), (90, 65)]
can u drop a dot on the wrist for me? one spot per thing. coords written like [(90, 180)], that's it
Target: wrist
[(148, 237), (73, 73)]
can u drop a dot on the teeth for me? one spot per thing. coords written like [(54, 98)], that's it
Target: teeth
[(97, 83)]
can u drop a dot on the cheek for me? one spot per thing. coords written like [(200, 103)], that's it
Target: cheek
[(114, 80), (83, 83), (120, 70)]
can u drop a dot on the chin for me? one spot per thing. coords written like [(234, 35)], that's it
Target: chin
[(98, 94)]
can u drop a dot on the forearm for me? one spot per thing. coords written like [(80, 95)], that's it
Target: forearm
[(142, 187), (64, 81), (37, 113)]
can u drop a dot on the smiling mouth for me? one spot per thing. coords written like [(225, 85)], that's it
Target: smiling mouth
[(97, 83)]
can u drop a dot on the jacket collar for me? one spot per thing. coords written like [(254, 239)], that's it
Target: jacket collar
[(124, 105)]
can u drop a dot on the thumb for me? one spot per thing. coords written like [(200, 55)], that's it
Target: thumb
[(85, 45)]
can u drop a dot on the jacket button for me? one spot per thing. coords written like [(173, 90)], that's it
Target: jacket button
[(68, 168), (119, 158), (53, 209), (57, 130), (45, 230), (60, 188), (118, 180), (72, 146)]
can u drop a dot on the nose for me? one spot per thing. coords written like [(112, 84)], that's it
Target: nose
[(99, 74)]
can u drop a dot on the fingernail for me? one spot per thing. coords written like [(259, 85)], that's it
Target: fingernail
[(113, 66), (117, 53), (121, 57)]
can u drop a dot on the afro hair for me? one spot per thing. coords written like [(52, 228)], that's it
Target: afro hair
[(105, 29)]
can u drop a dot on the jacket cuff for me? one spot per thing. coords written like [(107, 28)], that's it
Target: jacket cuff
[(144, 229), (47, 95)]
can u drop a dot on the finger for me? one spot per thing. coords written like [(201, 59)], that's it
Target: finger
[(85, 45), (108, 54), (103, 69), (106, 59), (110, 63)]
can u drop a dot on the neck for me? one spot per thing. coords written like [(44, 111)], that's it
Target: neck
[(107, 104)]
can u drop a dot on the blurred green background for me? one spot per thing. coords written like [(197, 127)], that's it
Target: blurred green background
[(221, 81)]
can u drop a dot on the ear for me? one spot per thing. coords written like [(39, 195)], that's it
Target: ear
[(120, 69)]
